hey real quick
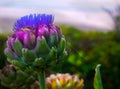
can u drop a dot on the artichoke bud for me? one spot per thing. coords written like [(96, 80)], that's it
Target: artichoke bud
[(36, 42), (17, 47), (28, 55), (62, 44), (42, 47)]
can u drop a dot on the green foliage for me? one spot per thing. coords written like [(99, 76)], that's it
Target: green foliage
[(3, 39), (89, 48)]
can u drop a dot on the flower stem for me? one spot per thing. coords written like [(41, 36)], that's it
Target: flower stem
[(41, 77)]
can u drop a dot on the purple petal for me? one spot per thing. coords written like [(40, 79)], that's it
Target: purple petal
[(10, 42), (29, 40), (39, 38), (52, 30), (43, 31), (20, 35), (32, 21), (59, 32)]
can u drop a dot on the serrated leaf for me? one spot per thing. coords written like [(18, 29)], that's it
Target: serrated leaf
[(97, 78)]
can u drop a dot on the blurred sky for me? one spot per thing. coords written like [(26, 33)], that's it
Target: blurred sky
[(74, 12), (89, 5)]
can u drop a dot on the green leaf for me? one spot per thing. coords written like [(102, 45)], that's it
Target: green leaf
[(62, 44), (10, 54), (42, 47), (19, 64), (53, 40), (52, 55), (17, 47), (97, 78), (64, 54)]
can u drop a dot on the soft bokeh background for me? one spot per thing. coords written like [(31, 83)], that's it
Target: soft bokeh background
[(91, 28), (81, 13)]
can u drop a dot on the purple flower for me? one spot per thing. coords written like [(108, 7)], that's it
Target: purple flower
[(39, 24), (36, 38), (33, 21)]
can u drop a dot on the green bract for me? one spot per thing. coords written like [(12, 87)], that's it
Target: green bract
[(42, 56)]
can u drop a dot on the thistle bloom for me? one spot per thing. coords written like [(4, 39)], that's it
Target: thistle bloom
[(36, 42), (33, 21)]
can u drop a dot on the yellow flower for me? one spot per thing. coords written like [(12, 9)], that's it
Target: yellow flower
[(64, 81)]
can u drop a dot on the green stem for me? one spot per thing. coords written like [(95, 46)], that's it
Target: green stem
[(41, 77)]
